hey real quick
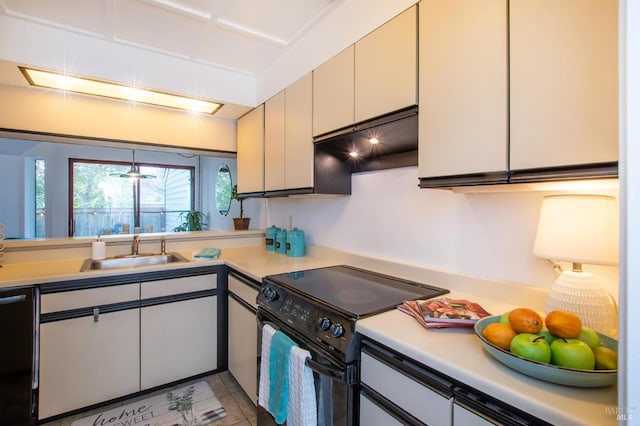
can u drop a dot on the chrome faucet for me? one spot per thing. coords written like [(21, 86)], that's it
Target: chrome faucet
[(134, 246)]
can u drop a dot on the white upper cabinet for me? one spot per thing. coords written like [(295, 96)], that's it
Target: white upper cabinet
[(519, 94), (386, 67), (463, 88), (288, 152), (250, 149), (333, 93), (298, 137), (563, 82), (274, 142), (375, 76)]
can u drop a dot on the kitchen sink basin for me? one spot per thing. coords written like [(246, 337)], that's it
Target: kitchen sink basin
[(131, 261)]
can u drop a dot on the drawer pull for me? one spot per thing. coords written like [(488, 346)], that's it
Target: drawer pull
[(96, 314)]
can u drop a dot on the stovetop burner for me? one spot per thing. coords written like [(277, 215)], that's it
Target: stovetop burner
[(353, 291)]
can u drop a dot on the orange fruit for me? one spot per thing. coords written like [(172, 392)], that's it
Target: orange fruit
[(563, 324), (499, 334), (525, 320)]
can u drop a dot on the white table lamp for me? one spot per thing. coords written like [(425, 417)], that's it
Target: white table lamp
[(580, 229)]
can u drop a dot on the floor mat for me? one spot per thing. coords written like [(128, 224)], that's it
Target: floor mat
[(193, 405)]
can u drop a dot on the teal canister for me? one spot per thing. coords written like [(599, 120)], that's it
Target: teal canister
[(295, 243), (281, 241), (270, 237)]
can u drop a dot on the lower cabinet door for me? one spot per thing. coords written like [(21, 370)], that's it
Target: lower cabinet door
[(177, 340), (464, 417), (373, 415), (87, 360), (243, 353)]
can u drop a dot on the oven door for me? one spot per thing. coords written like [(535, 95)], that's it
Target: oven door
[(334, 381)]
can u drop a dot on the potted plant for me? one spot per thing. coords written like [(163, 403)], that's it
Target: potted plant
[(193, 221), (239, 222)]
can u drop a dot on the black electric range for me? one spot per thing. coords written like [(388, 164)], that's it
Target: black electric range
[(323, 304)]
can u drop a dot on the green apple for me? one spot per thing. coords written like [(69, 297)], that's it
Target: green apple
[(531, 346), (547, 335), (504, 318), (606, 359), (590, 337), (572, 353)]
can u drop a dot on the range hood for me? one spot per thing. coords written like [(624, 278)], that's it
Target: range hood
[(342, 153), (334, 163)]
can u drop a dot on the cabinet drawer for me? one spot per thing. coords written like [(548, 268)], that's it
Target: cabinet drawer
[(244, 291), (178, 286), (67, 300), (372, 415), (416, 399)]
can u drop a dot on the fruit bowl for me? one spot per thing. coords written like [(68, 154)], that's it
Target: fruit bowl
[(549, 372)]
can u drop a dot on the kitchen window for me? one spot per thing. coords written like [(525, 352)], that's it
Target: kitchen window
[(101, 202)]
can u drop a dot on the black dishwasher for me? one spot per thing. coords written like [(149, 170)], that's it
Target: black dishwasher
[(18, 356)]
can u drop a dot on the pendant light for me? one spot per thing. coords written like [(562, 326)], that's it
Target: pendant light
[(134, 171)]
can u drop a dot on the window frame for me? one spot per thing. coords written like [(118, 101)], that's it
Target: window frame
[(73, 161)]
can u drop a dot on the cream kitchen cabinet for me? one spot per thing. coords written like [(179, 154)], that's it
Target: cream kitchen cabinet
[(243, 333), (333, 93), (105, 338), (288, 153), (563, 88), (375, 76), (386, 67), (402, 389), (396, 389), (178, 338), (89, 347), (274, 142), (250, 148), (521, 93), (463, 100)]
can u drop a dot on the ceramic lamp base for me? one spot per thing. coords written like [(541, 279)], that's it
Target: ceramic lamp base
[(580, 293)]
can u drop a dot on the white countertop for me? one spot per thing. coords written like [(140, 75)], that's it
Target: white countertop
[(459, 354), (455, 352)]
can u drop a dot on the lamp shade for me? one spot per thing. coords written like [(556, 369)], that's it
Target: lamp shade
[(579, 229)]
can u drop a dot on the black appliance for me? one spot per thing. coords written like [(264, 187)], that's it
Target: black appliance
[(18, 365), (318, 309)]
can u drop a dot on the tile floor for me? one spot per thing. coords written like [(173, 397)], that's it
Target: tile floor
[(240, 410)]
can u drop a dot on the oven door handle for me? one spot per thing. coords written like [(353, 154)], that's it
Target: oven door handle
[(325, 370), (321, 369)]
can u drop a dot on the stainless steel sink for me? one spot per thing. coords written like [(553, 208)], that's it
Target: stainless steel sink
[(132, 261)]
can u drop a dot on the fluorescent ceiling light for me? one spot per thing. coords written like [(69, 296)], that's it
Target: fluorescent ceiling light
[(88, 86)]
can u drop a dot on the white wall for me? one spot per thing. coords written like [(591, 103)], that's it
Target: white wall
[(387, 215)]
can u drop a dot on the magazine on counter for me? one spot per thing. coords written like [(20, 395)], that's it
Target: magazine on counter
[(444, 312)]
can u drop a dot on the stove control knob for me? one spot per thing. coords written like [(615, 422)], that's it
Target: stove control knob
[(337, 330), (269, 294), (324, 323)]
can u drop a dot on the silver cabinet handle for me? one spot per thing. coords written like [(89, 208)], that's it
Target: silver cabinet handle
[(96, 314)]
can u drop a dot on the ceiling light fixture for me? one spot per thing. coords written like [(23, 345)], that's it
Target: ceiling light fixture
[(374, 141), (134, 171), (87, 86)]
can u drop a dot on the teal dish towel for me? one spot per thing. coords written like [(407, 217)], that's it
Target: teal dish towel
[(281, 346), (208, 253)]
